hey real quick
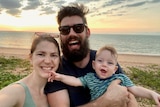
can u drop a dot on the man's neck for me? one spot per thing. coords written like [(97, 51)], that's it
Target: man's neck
[(83, 63)]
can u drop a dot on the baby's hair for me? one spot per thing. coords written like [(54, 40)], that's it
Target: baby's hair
[(109, 48)]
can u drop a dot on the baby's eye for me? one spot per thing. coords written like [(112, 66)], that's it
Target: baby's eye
[(99, 60), (111, 63)]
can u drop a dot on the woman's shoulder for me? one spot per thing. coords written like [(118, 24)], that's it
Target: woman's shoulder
[(13, 88), (13, 94)]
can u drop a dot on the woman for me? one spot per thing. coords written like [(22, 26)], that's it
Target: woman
[(29, 91)]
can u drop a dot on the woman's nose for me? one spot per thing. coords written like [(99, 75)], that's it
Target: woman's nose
[(47, 59)]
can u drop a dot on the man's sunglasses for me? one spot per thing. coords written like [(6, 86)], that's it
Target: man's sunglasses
[(78, 28)]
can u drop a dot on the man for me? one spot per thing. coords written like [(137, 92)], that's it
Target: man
[(77, 61)]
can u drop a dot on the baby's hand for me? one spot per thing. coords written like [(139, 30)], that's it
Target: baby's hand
[(54, 76), (51, 76), (156, 97)]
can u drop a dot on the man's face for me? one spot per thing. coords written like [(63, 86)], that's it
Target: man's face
[(74, 42)]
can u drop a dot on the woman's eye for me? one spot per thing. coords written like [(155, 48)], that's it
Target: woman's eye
[(54, 55), (40, 54)]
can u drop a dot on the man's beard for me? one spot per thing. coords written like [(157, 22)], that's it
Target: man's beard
[(76, 55)]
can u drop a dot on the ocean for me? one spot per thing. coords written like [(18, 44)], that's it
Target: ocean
[(140, 44)]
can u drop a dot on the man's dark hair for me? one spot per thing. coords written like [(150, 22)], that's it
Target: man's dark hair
[(72, 10)]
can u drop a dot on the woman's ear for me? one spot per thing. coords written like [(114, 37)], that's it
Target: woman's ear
[(30, 58)]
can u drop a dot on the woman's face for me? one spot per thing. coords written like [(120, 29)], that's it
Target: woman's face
[(45, 58)]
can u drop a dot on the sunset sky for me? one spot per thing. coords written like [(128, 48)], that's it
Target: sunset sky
[(105, 16)]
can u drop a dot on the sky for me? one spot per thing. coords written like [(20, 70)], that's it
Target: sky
[(105, 16)]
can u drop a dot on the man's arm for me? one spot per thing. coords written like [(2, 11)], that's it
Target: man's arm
[(59, 99), (115, 96)]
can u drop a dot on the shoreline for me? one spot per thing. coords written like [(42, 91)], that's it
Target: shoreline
[(147, 59), (15, 52), (122, 58)]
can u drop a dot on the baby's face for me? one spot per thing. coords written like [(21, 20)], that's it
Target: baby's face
[(105, 64)]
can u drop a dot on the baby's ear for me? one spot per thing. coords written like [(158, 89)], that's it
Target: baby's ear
[(93, 64), (116, 67)]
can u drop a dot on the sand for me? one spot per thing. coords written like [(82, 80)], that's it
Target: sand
[(139, 61), (16, 52), (125, 60), (122, 58)]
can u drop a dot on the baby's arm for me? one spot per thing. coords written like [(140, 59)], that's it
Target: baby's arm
[(69, 80), (145, 93)]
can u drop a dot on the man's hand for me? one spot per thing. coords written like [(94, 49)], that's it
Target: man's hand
[(117, 94), (132, 101)]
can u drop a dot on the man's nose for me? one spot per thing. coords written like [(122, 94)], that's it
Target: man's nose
[(72, 32)]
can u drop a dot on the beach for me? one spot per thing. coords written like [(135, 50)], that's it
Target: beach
[(125, 60), (15, 52)]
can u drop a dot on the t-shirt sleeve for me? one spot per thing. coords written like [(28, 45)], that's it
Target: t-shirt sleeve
[(82, 79), (54, 86), (125, 81), (119, 70), (86, 78)]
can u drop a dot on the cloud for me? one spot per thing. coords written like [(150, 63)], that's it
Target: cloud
[(50, 6), (153, 1), (97, 7), (32, 4), (47, 10), (110, 8), (136, 4), (10, 4), (11, 7), (114, 2), (87, 1), (119, 7), (14, 12)]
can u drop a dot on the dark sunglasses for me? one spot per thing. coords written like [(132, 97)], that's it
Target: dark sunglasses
[(78, 28)]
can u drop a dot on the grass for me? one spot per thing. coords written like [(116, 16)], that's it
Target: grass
[(148, 78), (13, 69)]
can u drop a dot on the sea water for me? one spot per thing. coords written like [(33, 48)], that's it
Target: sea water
[(142, 44)]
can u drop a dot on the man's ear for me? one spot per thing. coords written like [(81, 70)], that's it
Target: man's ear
[(88, 32)]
